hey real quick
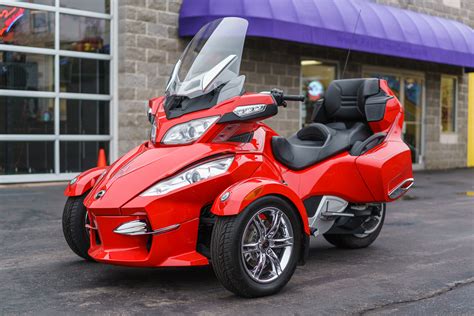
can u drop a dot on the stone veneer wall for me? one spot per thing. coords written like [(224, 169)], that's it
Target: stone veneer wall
[(149, 47)]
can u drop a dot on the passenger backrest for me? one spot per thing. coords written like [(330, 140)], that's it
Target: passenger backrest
[(345, 100)]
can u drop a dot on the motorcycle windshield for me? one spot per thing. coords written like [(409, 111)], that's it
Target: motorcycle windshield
[(211, 59)]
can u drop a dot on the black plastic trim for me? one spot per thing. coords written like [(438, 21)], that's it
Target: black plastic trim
[(241, 138), (311, 204), (360, 148), (375, 106), (177, 106)]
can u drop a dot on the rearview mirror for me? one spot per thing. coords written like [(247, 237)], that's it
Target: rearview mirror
[(150, 115)]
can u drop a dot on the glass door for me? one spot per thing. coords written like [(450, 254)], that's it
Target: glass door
[(315, 78), (409, 90), (412, 101)]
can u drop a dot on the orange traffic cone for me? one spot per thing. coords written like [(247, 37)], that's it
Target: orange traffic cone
[(101, 160)]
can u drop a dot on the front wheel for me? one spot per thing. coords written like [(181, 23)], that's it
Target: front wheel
[(371, 226), (256, 252), (74, 226)]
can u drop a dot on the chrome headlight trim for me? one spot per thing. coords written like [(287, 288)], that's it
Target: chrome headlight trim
[(140, 227)]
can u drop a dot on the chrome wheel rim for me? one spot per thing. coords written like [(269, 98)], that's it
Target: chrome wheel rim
[(372, 223), (267, 244)]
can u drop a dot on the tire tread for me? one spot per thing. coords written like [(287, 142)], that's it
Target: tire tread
[(72, 220)]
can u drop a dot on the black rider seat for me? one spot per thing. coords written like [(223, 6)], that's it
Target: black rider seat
[(339, 122)]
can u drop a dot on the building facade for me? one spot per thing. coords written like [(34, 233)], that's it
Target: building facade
[(76, 76)]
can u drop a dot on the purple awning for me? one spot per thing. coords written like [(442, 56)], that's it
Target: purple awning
[(381, 29)]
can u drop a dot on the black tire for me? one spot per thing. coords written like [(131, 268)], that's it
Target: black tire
[(348, 241), (226, 250), (74, 221)]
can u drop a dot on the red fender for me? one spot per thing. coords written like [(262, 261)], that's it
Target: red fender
[(246, 191), (85, 181)]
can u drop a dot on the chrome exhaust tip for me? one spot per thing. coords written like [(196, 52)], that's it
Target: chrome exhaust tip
[(140, 227), (402, 188)]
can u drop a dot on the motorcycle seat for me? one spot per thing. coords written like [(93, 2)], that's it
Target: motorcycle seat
[(317, 142), (340, 120)]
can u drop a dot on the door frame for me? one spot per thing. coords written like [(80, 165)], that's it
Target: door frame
[(402, 73)]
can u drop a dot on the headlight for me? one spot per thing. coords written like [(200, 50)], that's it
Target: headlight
[(188, 132), (201, 172)]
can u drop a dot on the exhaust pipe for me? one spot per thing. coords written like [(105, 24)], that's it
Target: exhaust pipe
[(401, 189)]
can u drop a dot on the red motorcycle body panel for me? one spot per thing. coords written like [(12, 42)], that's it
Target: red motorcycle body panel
[(245, 192), (253, 173), (84, 182)]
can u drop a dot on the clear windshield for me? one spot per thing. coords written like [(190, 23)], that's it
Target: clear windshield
[(211, 59)]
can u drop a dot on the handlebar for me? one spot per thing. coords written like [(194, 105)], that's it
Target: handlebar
[(280, 98), (293, 98)]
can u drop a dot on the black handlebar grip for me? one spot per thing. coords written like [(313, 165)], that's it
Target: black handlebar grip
[(294, 98)]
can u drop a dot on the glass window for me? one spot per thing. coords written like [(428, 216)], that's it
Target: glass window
[(26, 157), (412, 102), (26, 27), (79, 156), (448, 104), (84, 117), (21, 71), (85, 34), (82, 75), (316, 77), (32, 126), (101, 6), (19, 115), (45, 2)]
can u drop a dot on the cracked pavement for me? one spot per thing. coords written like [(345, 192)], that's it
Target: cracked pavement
[(422, 263)]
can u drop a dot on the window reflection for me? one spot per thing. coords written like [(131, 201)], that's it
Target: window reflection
[(412, 104), (82, 75), (19, 115), (17, 157), (21, 71), (448, 104), (26, 27), (79, 156), (85, 34), (84, 117), (316, 78)]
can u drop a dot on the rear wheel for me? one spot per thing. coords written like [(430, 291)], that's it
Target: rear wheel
[(256, 252), (371, 229), (74, 226)]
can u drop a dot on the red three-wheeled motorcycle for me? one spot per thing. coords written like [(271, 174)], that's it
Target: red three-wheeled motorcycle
[(214, 184)]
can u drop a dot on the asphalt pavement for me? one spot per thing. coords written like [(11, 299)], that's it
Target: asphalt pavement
[(421, 264)]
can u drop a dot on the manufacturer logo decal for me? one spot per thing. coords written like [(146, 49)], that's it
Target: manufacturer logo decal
[(99, 194)]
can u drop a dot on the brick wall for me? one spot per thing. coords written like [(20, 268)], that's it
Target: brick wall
[(149, 47), (464, 14), (438, 155)]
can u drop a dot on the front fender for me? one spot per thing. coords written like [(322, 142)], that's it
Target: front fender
[(85, 181), (242, 193)]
